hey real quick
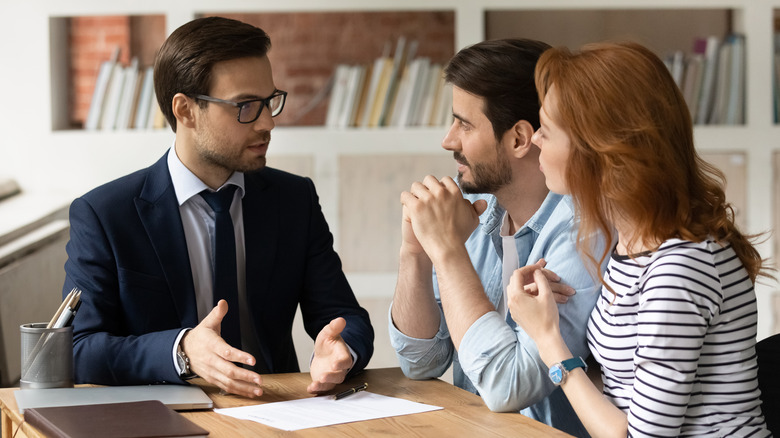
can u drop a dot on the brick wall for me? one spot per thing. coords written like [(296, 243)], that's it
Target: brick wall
[(305, 48)]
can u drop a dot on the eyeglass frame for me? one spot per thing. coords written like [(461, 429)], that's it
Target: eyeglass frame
[(266, 101)]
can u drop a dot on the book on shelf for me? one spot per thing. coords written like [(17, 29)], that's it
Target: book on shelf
[(710, 46), (402, 90), (776, 82), (380, 94), (400, 58), (694, 73), (354, 86), (137, 88), (337, 94), (721, 88), (128, 94), (377, 70), (144, 99), (676, 65), (735, 110), (124, 98), (712, 79), (141, 419), (105, 73)]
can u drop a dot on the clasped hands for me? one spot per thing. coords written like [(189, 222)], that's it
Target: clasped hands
[(215, 360), (436, 217)]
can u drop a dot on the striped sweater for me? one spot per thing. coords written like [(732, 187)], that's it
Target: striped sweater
[(677, 343)]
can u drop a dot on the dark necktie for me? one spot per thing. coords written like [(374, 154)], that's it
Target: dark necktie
[(225, 285)]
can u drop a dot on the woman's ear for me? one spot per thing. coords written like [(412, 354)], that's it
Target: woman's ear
[(521, 134), (184, 110)]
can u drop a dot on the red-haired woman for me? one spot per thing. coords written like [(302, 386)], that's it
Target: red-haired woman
[(675, 328)]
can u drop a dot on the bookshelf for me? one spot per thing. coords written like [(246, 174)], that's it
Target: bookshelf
[(359, 172)]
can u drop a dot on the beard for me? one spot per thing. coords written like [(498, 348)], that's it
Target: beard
[(212, 150), (487, 177)]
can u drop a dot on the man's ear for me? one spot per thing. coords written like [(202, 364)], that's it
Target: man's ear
[(184, 110), (520, 135)]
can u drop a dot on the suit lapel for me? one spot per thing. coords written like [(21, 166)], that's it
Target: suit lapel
[(158, 210), (261, 234)]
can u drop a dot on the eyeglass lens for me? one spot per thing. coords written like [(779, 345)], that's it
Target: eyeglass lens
[(250, 111)]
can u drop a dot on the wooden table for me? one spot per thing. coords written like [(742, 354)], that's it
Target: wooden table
[(464, 413)]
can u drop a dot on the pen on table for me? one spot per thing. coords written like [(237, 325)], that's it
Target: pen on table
[(350, 391)]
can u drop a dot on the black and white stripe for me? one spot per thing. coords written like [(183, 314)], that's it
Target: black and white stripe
[(677, 343)]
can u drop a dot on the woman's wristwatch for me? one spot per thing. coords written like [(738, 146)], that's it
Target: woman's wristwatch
[(560, 370)]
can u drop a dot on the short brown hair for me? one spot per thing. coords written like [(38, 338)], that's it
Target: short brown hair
[(501, 72), (185, 60)]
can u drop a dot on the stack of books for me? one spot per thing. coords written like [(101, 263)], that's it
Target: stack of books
[(402, 90), (124, 98), (712, 79)]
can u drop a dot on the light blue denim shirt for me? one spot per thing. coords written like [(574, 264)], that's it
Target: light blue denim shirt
[(497, 359)]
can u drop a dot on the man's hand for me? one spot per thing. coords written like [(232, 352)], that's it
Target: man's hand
[(561, 292), (439, 215), (409, 242), (212, 358), (332, 359)]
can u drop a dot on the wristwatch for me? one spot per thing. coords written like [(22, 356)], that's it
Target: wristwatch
[(184, 364), (560, 370)]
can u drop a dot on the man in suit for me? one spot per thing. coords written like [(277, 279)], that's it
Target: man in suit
[(163, 298)]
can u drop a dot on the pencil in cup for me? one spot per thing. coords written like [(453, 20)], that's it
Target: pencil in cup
[(47, 349)]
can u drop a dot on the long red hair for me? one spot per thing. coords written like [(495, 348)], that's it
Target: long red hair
[(632, 153)]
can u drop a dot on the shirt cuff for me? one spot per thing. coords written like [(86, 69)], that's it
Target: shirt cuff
[(414, 349), (486, 337)]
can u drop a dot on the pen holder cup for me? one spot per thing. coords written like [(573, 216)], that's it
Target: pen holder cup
[(47, 356)]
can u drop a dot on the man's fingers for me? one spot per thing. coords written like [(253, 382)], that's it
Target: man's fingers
[(239, 387), (320, 387), (407, 198), (334, 328), (552, 276), (432, 183), (561, 292), (232, 354)]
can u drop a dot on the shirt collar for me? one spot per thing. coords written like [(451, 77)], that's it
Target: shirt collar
[(186, 184), (537, 221)]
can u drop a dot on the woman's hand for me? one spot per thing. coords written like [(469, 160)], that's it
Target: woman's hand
[(532, 302)]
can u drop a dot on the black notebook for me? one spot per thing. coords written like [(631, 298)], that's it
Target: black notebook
[(140, 419)]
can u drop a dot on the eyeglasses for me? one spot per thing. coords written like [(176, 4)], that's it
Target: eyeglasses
[(249, 110)]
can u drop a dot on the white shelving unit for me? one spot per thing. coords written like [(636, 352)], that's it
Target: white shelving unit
[(43, 159)]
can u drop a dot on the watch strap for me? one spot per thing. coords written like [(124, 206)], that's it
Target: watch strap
[(559, 371), (575, 362)]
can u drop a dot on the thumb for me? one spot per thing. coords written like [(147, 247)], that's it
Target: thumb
[(214, 319), (542, 284), (334, 329), (480, 205)]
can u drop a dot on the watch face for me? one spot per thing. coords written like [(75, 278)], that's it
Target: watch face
[(556, 373)]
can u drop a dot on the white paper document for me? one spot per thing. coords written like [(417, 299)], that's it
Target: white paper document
[(324, 410)]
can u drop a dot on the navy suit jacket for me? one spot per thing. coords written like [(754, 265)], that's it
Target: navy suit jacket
[(127, 253)]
